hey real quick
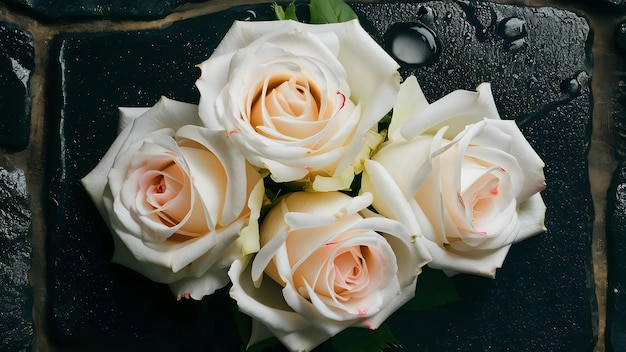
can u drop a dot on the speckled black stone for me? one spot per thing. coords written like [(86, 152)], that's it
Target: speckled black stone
[(542, 299), (16, 324), (16, 64), (616, 240), (616, 217), (619, 96), (120, 9)]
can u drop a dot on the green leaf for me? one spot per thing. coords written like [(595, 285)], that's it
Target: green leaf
[(330, 11), (285, 14), (279, 12), (384, 122), (290, 12), (434, 289), (364, 340)]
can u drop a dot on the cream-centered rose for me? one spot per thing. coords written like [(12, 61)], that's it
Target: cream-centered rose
[(457, 174), (299, 99), (181, 203), (326, 268)]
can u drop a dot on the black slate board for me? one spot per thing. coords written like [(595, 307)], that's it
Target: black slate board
[(541, 300), (16, 64)]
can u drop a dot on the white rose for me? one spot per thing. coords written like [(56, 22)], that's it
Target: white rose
[(327, 268), (181, 204), (299, 99), (457, 174)]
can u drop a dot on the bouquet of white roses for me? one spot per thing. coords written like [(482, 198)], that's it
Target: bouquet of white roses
[(283, 182)]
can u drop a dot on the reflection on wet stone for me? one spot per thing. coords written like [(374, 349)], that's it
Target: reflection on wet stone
[(16, 325), (16, 65)]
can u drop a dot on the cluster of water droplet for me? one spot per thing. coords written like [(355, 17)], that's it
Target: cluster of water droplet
[(415, 44)]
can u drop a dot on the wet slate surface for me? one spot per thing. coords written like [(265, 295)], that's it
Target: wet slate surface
[(16, 64), (542, 299), (616, 217), (619, 100), (619, 5), (616, 238), (16, 325), (55, 9)]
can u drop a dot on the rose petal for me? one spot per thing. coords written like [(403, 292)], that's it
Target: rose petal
[(233, 165), (212, 280), (378, 181), (181, 113), (262, 116), (339, 181), (531, 217), (128, 115), (410, 101), (266, 305), (455, 110), (523, 152)]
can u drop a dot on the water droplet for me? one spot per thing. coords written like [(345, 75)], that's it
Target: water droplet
[(513, 27), (513, 31), (426, 14), (412, 43), (571, 86)]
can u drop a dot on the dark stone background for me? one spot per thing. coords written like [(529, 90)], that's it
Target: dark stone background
[(544, 291)]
